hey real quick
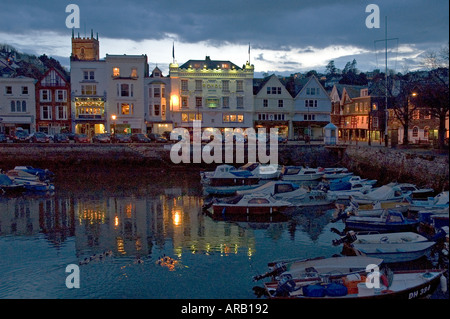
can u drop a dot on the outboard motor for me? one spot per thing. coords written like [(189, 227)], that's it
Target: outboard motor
[(349, 238)]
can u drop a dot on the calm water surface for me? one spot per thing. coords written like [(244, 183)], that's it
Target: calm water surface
[(140, 217)]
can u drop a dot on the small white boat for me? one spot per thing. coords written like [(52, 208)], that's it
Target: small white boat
[(319, 267), (386, 193), (254, 204), (263, 171), (415, 191), (227, 175), (440, 201), (297, 173), (357, 179), (389, 238)]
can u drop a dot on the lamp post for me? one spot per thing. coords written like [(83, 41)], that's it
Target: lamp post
[(113, 117)]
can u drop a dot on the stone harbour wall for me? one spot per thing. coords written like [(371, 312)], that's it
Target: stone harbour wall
[(410, 166), (385, 165)]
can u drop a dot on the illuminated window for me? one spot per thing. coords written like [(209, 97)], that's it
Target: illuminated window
[(116, 72), (89, 90), (134, 73), (126, 109)]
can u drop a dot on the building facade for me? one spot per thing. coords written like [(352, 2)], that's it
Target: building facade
[(124, 75), (273, 106), (53, 107), (158, 103), (312, 108), (17, 104), (219, 93), (88, 87)]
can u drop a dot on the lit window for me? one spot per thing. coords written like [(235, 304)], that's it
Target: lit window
[(134, 73), (126, 109), (116, 72)]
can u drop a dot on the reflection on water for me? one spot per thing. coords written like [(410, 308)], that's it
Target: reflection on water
[(154, 220)]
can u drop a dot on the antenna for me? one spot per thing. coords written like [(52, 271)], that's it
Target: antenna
[(385, 40)]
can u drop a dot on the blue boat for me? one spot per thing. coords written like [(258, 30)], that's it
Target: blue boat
[(389, 221)]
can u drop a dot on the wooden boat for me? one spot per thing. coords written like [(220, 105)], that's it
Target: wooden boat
[(412, 284), (254, 204), (332, 267), (388, 221), (298, 173)]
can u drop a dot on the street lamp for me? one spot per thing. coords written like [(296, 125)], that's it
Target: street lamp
[(113, 117)]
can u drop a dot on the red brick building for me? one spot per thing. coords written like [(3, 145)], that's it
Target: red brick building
[(53, 113)]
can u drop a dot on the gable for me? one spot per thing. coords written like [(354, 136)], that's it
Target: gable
[(53, 78), (313, 89), (272, 87)]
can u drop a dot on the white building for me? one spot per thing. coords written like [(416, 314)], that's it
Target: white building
[(219, 93), (17, 104), (157, 103), (312, 108), (273, 106), (126, 109)]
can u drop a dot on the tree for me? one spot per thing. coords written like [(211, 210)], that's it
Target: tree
[(331, 70), (434, 92), (403, 103)]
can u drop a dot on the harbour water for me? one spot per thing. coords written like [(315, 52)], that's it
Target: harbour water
[(145, 236)]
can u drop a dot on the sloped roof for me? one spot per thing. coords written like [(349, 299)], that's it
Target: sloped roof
[(210, 64)]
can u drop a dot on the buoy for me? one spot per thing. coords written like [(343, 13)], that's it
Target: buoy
[(443, 284)]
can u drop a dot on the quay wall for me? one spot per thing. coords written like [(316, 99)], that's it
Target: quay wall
[(410, 166), (379, 163)]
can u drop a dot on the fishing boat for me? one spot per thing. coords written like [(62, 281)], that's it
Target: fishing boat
[(410, 284), (298, 173), (254, 204), (386, 193), (388, 221), (321, 267)]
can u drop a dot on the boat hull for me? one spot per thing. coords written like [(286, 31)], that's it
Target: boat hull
[(248, 210), (380, 227), (417, 291)]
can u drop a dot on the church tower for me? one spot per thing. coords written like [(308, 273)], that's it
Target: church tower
[(85, 49)]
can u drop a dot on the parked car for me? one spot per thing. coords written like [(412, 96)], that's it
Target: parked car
[(61, 138), (157, 138), (19, 136), (101, 138), (3, 138), (71, 136), (121, 138), (81, 138), (140, 138), (38, 137)]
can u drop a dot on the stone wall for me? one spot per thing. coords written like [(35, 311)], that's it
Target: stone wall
[(387, 165)]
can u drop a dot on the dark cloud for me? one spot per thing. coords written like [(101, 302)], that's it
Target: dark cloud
[(273, 25)]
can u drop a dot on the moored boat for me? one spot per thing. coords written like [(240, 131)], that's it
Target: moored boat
[(412, 284), (254, 204), (388, 221), (332, 267), (298, 173)]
